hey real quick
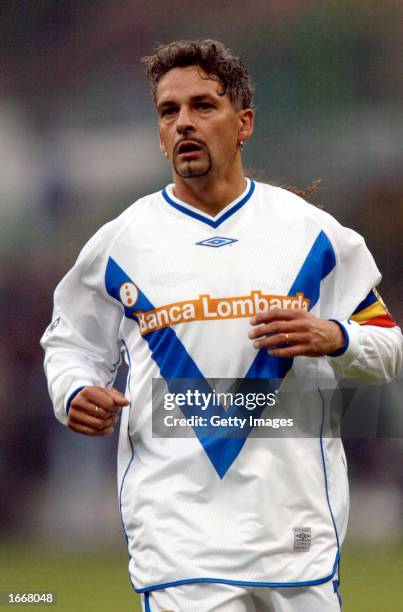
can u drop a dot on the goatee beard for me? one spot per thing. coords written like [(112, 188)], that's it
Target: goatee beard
[(189, 173)]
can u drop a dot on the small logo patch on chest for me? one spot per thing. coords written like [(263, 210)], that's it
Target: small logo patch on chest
[(216, 241)]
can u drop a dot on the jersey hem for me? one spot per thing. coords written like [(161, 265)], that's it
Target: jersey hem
[(246, 583)]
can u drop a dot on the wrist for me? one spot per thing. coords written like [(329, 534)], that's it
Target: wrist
[(341, 339), (351, 348), (72, 390)]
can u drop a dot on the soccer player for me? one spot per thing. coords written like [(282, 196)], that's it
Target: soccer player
[(218, 276)]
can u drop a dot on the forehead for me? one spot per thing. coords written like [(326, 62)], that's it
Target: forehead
[(186, 82)]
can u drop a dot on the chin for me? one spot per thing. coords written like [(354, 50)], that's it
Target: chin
[(192, 172)]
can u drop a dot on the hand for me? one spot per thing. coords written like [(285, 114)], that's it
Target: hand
[(94, 411), (292, 333)]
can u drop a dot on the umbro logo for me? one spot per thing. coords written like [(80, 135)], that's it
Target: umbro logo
[(216, 241), (302, 539)]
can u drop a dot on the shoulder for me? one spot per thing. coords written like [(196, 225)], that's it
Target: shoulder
[(101, 243), (291, 206)]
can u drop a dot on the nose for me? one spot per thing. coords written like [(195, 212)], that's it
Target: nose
[(184, 121)]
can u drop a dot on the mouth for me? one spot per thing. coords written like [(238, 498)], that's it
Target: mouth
[(188, 149)]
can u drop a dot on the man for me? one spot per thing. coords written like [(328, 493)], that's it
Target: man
[(217, 276)]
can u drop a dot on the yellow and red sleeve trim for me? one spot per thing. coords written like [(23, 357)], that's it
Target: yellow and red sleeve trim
[(372, 311)]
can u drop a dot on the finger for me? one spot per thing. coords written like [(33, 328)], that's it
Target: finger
[(98, 396), (94, 410), (281, 340), (82, 418), (291, 351), (277, 314), (117, 397), (88, 431), (81, 404), (297, 325)]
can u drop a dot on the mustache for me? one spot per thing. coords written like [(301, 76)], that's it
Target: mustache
[(199, 141)]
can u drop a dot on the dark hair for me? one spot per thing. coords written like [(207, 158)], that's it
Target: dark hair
[(213, 57)]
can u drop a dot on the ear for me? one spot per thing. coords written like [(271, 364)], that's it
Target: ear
[(246, 122)]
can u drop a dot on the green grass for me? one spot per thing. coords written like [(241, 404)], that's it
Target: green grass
[(372, 579)]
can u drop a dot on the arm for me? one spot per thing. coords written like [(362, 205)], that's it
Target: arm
[(354, 350), (358, 336), (373, 342), (82, 350)]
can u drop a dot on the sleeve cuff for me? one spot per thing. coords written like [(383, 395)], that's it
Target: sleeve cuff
[(352, 344)]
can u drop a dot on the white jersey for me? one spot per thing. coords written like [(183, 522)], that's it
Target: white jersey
[(175, 288)]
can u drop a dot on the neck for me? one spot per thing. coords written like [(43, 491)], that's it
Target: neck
[(209, 193)]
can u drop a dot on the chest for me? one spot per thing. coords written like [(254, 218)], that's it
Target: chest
[(172, 261)]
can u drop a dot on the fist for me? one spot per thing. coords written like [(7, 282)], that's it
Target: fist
[(94, 411)]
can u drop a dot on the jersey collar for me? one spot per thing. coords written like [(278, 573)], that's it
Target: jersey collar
[(216, 221)]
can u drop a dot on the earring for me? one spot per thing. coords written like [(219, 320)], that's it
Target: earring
[(166, 154), (241, 145)]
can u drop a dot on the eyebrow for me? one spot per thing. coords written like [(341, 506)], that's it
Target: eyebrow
[(198, 98)]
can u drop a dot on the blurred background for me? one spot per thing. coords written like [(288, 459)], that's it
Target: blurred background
[(78, 144)]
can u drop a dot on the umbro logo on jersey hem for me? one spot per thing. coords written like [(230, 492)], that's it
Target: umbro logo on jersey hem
[(216, 241), (302, 539)]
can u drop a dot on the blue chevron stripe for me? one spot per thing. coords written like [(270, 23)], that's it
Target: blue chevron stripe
[(319, 262)]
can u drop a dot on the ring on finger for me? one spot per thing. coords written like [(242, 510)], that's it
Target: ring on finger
[(97, 412), (287, 338)]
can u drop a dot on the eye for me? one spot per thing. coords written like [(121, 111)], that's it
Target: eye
[(169, 111), (205, 105)]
